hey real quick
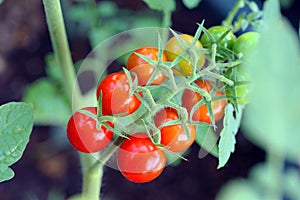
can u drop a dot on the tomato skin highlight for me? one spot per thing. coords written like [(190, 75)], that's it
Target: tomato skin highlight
[(115, 95), (174, 49), (83, 134), (190, 98), (139, 160), (142, 68), (174, 137)]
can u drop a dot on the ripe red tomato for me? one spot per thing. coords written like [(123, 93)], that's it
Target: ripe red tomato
[(142, 68), (139, 160), (115, 95), (83, 134), (190, 98), (174, 136)]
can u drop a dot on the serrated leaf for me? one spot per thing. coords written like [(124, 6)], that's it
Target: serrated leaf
[(227, 141), (274, 110), (207, 140), (50, 106), (15, 128), (166, 5), (190, 4)]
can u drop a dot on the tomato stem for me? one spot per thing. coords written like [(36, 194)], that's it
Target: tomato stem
[(91, 181), (61, 47), (229, 19)]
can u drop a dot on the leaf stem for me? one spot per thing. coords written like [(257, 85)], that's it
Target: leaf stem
[(229, 19), (61, 47)]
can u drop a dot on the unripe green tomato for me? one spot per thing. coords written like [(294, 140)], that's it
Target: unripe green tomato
[(246, 43), (217, 32), (238, 74)]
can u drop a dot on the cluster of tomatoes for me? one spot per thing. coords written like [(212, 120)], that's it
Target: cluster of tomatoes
[(161, 97)]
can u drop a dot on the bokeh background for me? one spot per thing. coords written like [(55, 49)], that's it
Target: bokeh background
[(50, 167)]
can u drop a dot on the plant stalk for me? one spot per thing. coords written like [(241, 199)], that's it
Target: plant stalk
[(55, 22)]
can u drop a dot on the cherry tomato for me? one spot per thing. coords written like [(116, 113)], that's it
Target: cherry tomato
[(142, 68), (190, 98), (115, 95), (83, 134), (139, 160), (217, 32), (246, 43), (174, 136), (174, 49), (241, 92)]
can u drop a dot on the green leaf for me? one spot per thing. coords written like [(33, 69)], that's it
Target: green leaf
[(190, 4), (15, 128), (237, 190), (1, 1), (227, 141), (207, 139), (271, 12), (50, 106), (272, 118), (166, 5)]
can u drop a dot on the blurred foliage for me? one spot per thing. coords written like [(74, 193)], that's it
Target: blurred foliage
[(190, 4), (272, 118), (50, 104), (286, 3), (164, 6), (104, 19), (15, 128)]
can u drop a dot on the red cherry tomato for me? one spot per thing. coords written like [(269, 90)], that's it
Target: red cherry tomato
[(139, 160), (142, 68), (83, 134), (115, 95), (190, 98), (174, 136)]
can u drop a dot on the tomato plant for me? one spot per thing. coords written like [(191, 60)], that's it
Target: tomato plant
[(242, 86), (174, 49), (191, 98), (116, 99), (83, 133), (174, 137), (246, 43), (142, 68), (139, 160), (217, 32)]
